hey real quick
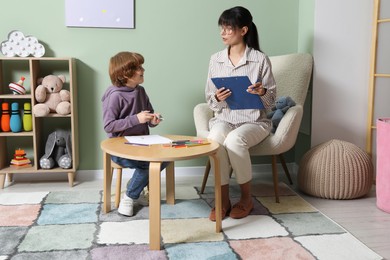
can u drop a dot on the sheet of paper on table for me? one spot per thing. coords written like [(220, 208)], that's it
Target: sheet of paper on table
[(147, 139)]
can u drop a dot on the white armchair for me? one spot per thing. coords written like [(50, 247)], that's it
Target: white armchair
[(292, 74)]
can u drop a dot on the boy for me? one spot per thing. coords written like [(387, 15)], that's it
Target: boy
[(127, 111)]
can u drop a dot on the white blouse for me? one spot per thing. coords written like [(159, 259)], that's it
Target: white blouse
[(257, 67)]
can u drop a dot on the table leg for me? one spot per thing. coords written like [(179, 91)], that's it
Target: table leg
[(154, 205), (170, 183), (107, 179), (218, 197)]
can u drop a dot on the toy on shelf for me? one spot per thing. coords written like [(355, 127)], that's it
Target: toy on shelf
[(15, 121), (5, 117), (58, 150), (27, 118), (17, 88), (50, 96), (20, 158)]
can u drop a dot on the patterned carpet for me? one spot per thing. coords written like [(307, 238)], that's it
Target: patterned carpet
[(70, 225)]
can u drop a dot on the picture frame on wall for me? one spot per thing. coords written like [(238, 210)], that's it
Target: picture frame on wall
[(100, 13)]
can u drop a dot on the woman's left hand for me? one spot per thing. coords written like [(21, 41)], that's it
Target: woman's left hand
[(256, 89)]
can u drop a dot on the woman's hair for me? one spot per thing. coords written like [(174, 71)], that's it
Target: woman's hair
[(123, 65), (238, 17)]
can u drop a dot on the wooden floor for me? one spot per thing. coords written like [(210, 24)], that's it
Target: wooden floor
[(360, 217)]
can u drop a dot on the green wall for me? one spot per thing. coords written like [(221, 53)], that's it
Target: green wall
[(176, 38), (305, 44)]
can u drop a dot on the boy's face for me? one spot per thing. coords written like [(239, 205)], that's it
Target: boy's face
[(137, 78)]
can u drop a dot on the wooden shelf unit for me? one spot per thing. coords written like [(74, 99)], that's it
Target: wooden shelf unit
[(11, 70)]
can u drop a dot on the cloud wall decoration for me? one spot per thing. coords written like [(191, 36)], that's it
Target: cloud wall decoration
[(22, 46)]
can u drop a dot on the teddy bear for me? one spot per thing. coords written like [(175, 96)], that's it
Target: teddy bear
[(282, 104), (58, 150), (51, 97)]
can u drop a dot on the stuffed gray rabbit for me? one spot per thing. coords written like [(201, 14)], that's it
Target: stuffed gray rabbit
[(58, 150)]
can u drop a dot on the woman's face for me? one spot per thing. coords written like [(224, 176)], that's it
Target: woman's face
[(137, 78), (232, 36)]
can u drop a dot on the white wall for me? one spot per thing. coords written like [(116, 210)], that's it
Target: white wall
[(342, 43)]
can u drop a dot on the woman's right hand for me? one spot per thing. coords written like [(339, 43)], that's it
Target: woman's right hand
[(222, 94), (144, 116)]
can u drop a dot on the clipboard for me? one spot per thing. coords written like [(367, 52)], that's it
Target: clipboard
[(240, 98)]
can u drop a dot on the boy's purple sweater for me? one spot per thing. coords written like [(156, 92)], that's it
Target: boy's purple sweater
[(120, 108)]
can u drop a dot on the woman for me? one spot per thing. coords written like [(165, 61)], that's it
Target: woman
[(238, 130)]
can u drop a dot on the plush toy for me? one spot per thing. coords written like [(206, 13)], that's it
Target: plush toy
[(58, 150), (282, 104), (51, 97)]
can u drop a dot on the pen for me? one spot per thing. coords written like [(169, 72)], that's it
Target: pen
[(199, 141), (180, 141), (135, 144), (180, 146)]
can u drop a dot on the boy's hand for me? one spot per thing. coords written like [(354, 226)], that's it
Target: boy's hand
[(157, 118), (145, 116)]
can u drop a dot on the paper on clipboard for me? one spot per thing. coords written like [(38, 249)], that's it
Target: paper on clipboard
[(240, 98)]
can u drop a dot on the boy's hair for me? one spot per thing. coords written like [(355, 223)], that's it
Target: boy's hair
[(123, 65)]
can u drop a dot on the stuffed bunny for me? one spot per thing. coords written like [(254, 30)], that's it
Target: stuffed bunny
[(58, 150)]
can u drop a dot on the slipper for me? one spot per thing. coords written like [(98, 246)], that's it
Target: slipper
[(223, 214), (239, 210)]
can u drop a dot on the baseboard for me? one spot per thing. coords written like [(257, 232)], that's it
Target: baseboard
[(92, 175)]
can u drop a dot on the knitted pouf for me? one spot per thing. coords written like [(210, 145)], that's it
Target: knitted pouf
[(336, 170)]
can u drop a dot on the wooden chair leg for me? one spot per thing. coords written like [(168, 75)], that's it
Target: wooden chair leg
[(276, 178), (118, 186), (285, 168), (205, 176)]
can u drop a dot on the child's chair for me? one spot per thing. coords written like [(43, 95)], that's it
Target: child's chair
[(118, 185)]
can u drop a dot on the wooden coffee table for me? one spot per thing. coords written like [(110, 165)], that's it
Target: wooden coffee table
[(156, 155)]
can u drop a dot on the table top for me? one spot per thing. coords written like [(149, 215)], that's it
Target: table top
[(157, 152)]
